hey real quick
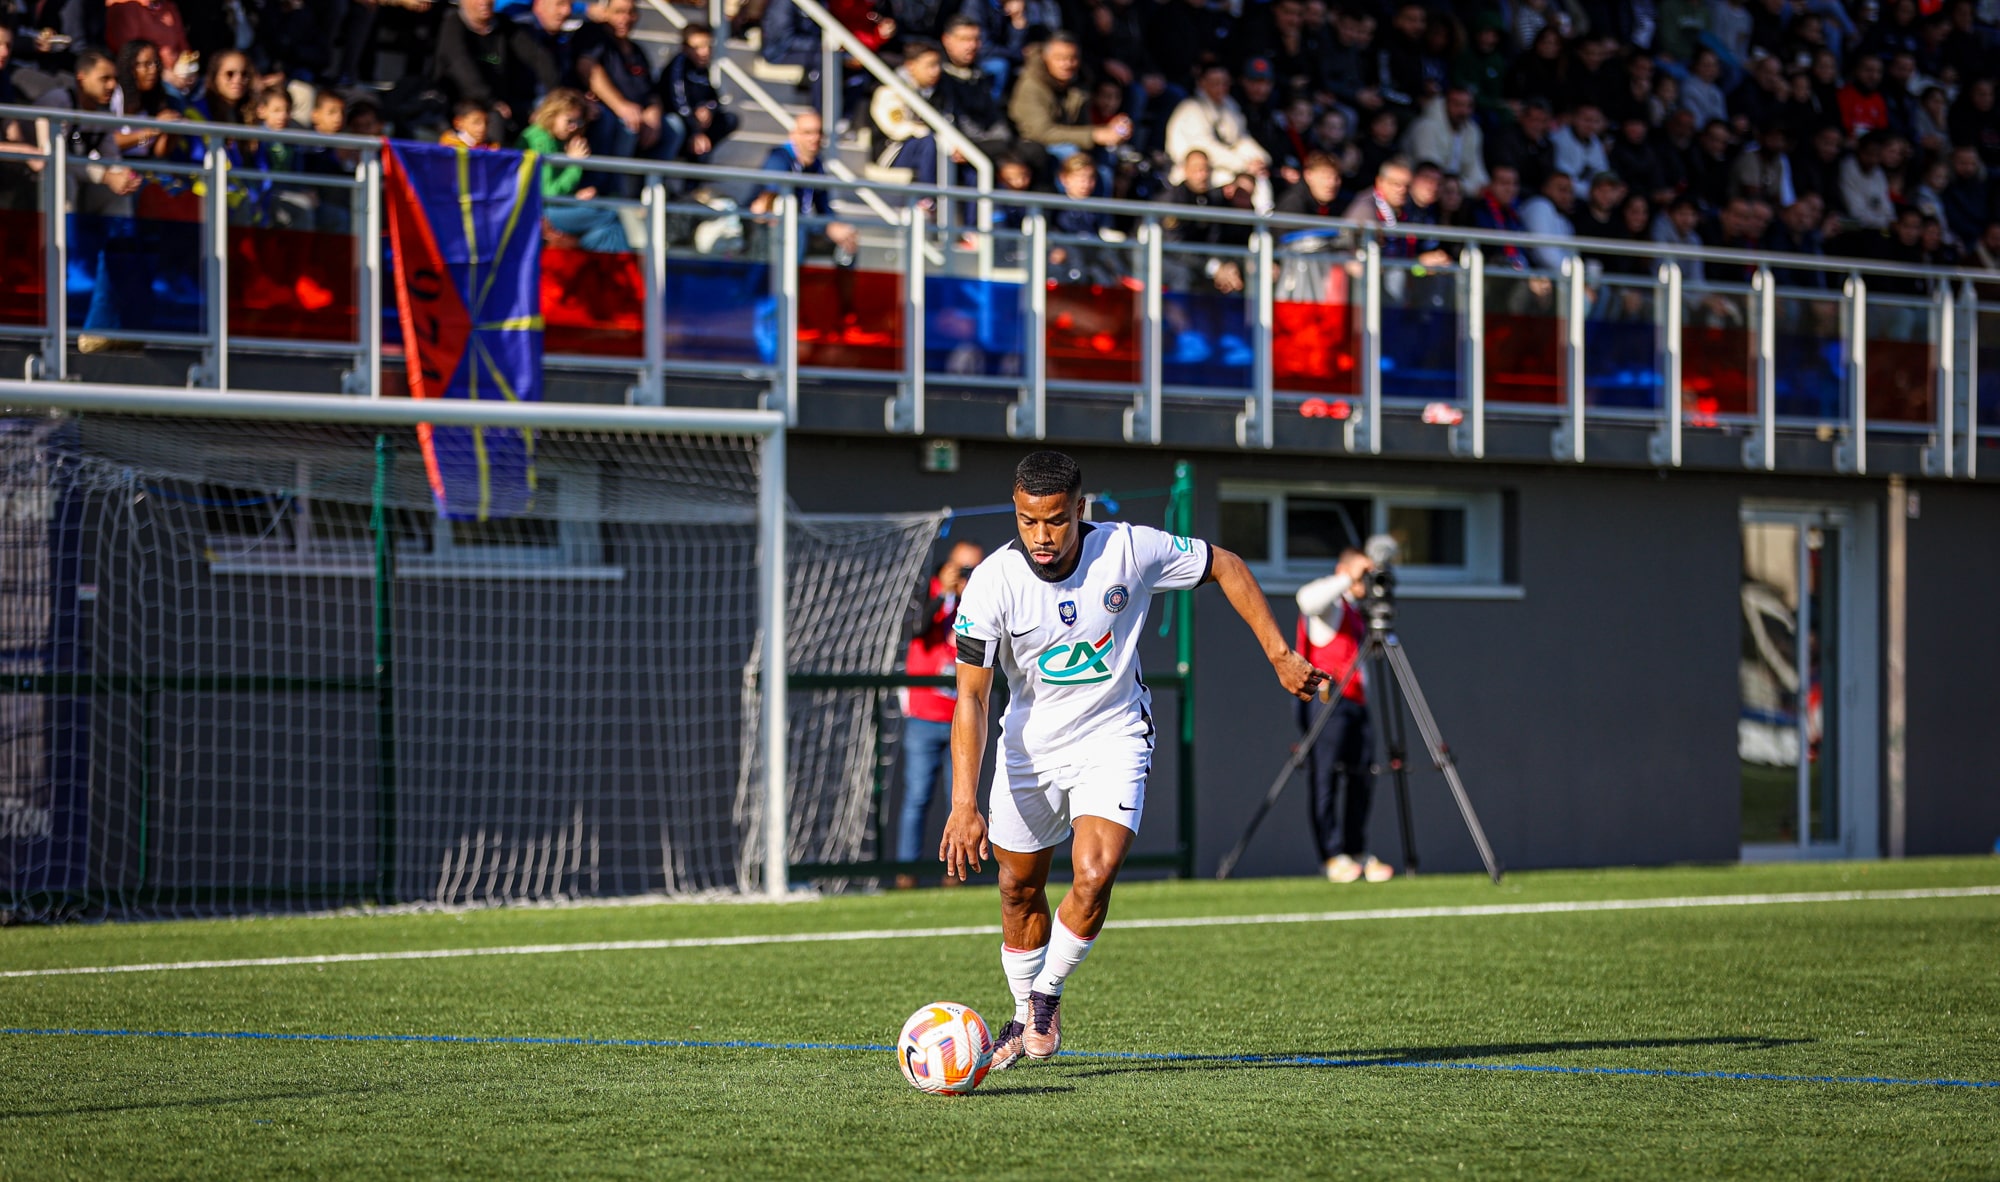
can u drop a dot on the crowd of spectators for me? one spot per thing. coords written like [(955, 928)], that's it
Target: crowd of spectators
[(1863, 128)]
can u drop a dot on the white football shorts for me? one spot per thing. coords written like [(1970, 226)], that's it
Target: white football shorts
[(1032, 809)]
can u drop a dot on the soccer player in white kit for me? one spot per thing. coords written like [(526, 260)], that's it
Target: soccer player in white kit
[(1061, 610)]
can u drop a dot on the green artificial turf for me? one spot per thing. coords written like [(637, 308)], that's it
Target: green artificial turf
[(1898, 989)]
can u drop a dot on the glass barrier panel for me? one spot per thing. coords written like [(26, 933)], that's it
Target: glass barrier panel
[(292, 263), (1811, 359), (1208, 320), (1420, 332), (593, 279), (1316, 315), (974, 302), (1988, 371), (1523, 338), (1901, 368), (23, 293), (850, 305), (1093, 311), (137, 259), (1621, 345), (717, 303), (1718, 353)]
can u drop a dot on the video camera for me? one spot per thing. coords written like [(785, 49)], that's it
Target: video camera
[(1378, 587)]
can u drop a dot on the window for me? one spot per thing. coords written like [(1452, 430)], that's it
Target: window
[(259, 533), (1451, 540)]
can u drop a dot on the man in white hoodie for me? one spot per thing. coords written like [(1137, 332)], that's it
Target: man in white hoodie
[(1448, 136), (1210, 122)]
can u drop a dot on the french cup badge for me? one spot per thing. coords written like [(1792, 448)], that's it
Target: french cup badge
[(1067, 610), (1116, 598)]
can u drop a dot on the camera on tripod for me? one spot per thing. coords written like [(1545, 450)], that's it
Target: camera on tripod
[(1378, 587)]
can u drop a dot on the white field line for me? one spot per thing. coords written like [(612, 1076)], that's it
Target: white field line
[(1192, 921)]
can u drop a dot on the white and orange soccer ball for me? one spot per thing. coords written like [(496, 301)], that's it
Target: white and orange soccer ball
[(945, 1049)]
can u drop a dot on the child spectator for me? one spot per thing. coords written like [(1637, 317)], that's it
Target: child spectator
[(556, 132), (471, 125)]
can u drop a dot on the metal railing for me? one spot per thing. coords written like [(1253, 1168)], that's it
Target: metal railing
[(1660, 318)]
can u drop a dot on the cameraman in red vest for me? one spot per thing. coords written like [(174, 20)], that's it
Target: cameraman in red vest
[(1332, 629), (927, 712)]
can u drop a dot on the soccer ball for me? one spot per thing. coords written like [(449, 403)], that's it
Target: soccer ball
[(945, 1049)]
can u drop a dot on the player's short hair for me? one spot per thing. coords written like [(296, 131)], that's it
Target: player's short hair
[(1048, 474)]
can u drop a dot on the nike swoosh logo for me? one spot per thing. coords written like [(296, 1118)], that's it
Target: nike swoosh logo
[(1129, 808), (1020, 634)]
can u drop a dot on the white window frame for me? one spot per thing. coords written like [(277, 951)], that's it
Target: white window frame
[(577, 555), (1482, 576)]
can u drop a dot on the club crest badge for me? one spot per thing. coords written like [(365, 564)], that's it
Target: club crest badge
[(1116, 598), (1067, 610)]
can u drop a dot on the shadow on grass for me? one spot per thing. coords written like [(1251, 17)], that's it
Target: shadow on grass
[(1113, 1064), (191, 1102)]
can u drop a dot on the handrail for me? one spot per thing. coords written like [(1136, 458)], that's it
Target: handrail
[(948, 135), (756, 93), (1278, 224)]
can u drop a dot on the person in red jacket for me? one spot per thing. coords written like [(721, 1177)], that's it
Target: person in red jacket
[(1863, 108), (1331, 631), (927, 712)]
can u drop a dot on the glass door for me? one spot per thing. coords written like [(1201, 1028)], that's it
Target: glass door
[(1796, 682)]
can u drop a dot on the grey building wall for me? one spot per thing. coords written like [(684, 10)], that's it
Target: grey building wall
[(1594, 717)]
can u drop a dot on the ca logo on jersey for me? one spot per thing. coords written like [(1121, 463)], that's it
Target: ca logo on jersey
[(962, 625), (1083, 663)]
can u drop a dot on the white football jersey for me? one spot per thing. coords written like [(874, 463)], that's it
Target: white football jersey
[(1070, 647)]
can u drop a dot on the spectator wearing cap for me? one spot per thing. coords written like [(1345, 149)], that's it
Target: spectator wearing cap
[(1209, 121), (1579, 144), (1548, 213), (1524, 146), (1448, 136), (1256, 94)]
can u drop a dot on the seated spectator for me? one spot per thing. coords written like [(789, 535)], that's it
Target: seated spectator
[(1634, 223), (1799, 230), (1209, 121), (1525, 147), (1115, 44), (1708, 169), (966, 92), (1482, 69), (1196, 190), (1986, 255), (291, 42), (142, 93), (1930, 123), (1182, 35), (1862, 106), (545, 47), (1292, 56), (1256, 94), (1377, 145), (908, 142), (225, 92), (1318, 191), (556, 133), (329, 112), (1601, 214), (99, 187), (1973, 120), (1902, 244), (1765, 173), (615, 71), (1497, 209), (471, 125), (158, 21), (1864, 187), (1701, 95), (1633, 158), (1579, 144), (1006, 29), (1739, 225), (1448, 136), (1548, 213), (1967, 196), (1679, 224), (1816, 166), (1049, 106), (1537, 73), (799, 155), (1077, 264), (475, 60), (1760, 99), (692, 104)]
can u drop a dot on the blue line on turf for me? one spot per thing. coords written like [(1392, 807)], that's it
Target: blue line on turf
[(1128, 1056)]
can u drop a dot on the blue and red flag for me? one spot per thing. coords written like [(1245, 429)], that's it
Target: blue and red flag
[(466, 228)]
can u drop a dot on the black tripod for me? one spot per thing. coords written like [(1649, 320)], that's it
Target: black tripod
[(1388, 671)]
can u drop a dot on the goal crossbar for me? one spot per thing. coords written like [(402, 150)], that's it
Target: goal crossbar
[(766, 426)]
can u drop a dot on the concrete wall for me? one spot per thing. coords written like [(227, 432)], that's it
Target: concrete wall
[(1594, 717)]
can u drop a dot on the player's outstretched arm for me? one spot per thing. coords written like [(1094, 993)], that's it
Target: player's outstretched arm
[(964, 846), (1295, 673)]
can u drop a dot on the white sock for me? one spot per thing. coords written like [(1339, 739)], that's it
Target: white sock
[(1022, 966), (1066, 951)]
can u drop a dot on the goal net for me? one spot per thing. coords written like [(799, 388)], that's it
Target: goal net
[(251, 666)]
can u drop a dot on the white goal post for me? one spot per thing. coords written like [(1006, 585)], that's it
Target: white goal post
[(761, 432)]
